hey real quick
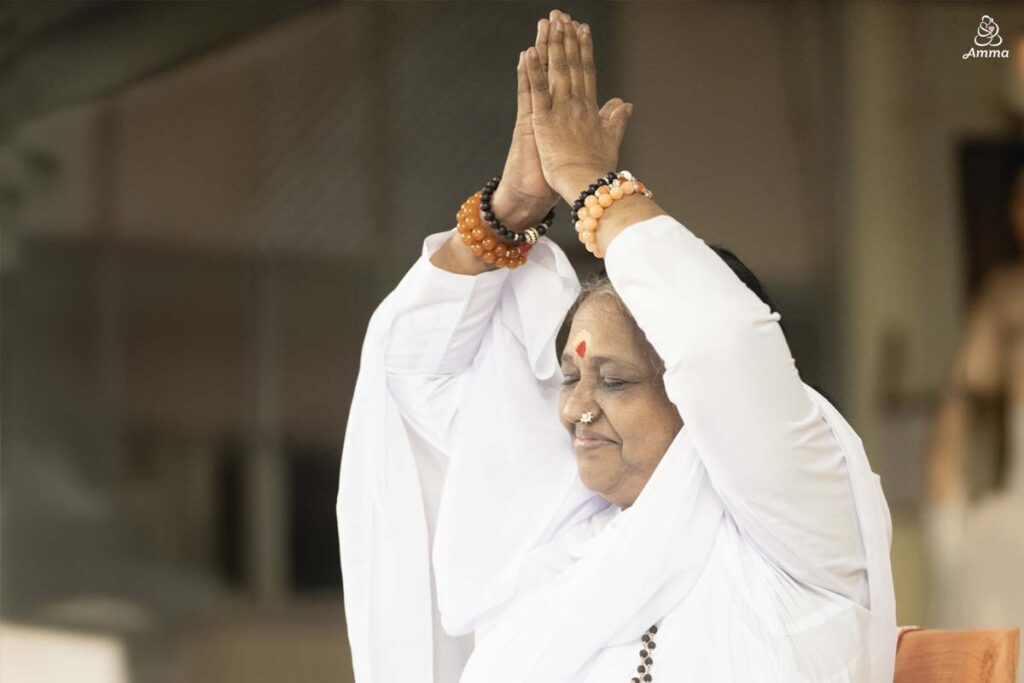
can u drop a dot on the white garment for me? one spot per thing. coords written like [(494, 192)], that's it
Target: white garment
[(758, 544)]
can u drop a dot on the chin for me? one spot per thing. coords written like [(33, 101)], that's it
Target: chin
[(596, 475)]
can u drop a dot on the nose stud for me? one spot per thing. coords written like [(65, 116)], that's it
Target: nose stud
[(587, 417)]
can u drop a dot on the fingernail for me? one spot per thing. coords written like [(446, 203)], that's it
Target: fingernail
[(585, 29), (520, 64)]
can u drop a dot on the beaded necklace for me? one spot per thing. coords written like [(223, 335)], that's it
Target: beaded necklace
[(646, 656)]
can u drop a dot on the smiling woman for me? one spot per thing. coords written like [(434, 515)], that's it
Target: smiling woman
[(620, 376), (611, 371), (703, 494)]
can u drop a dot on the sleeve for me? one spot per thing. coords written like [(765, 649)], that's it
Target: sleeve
[(420, 354), (768, 449), (438, 321), (417, 348)]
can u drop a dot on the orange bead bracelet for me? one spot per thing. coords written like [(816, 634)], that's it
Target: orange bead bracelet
[(599, 197), (484, 242)]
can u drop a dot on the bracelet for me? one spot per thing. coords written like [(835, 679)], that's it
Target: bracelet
[(503, 247), (483, 242), (600, 195), (529, 236)]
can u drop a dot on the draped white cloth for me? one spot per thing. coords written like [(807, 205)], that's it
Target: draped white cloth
[(760, 545)]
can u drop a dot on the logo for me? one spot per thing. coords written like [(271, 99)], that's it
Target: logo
[(987, 39)]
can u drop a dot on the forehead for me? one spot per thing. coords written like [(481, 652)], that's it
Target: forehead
[(605, 328)]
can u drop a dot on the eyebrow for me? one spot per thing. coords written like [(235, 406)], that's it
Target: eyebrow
[(600, 360)]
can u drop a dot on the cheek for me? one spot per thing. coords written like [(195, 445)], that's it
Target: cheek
[(646, 427)]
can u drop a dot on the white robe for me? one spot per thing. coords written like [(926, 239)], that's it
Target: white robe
[(760, 544)]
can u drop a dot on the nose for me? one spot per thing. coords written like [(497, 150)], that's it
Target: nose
[(577, 401)]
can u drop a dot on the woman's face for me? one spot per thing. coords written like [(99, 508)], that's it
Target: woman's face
[(609, 373)]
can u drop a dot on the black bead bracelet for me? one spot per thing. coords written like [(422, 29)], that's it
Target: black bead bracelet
[(492, 220), (591, 189)]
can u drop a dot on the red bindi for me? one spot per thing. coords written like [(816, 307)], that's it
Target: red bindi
[(581, 349)]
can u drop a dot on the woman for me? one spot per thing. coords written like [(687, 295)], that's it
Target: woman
[(663, 500)]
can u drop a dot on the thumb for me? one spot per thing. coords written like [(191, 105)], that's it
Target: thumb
[(618, 118), (523, 94), (609, 106)]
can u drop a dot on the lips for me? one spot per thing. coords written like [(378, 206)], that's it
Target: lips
[(589, 438)]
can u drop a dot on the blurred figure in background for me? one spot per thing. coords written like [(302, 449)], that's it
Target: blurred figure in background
[(976, 463)]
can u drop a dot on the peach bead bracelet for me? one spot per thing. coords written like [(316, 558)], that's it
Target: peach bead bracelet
[(483, 241), (597, 198)]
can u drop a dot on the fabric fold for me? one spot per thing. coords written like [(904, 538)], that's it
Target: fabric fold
[(383, 503), (511, 476)]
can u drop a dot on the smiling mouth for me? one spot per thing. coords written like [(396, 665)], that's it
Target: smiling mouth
[(587, 443)]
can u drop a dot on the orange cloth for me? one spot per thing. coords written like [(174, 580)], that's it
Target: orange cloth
[(931, 656)]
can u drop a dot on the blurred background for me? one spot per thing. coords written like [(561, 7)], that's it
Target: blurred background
[(202, 203)]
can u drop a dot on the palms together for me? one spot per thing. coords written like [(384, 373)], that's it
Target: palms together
[(574, 138), (527, 182)]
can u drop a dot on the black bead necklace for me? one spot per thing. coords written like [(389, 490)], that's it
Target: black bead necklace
[(646, 656), (506, 234)]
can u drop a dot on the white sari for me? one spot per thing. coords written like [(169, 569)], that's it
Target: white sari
[(760, 544)]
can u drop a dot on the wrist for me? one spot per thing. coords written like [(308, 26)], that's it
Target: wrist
[(572, 181), (518, 212), (456, 257)]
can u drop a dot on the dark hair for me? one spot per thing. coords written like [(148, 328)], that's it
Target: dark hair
[(743, 273)]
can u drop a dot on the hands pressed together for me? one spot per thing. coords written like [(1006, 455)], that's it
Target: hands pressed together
[(562, 141), (561, 144)]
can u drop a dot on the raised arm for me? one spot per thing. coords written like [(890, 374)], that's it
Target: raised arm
[(444, 304), (450, 312), (767, 447)]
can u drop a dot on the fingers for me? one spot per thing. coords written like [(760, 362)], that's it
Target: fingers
[(618, 119), (610, 106), (558, 15), (571, 43), (523, 96), (541, 43), (540, 95), (559, 79), (587, 60)]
